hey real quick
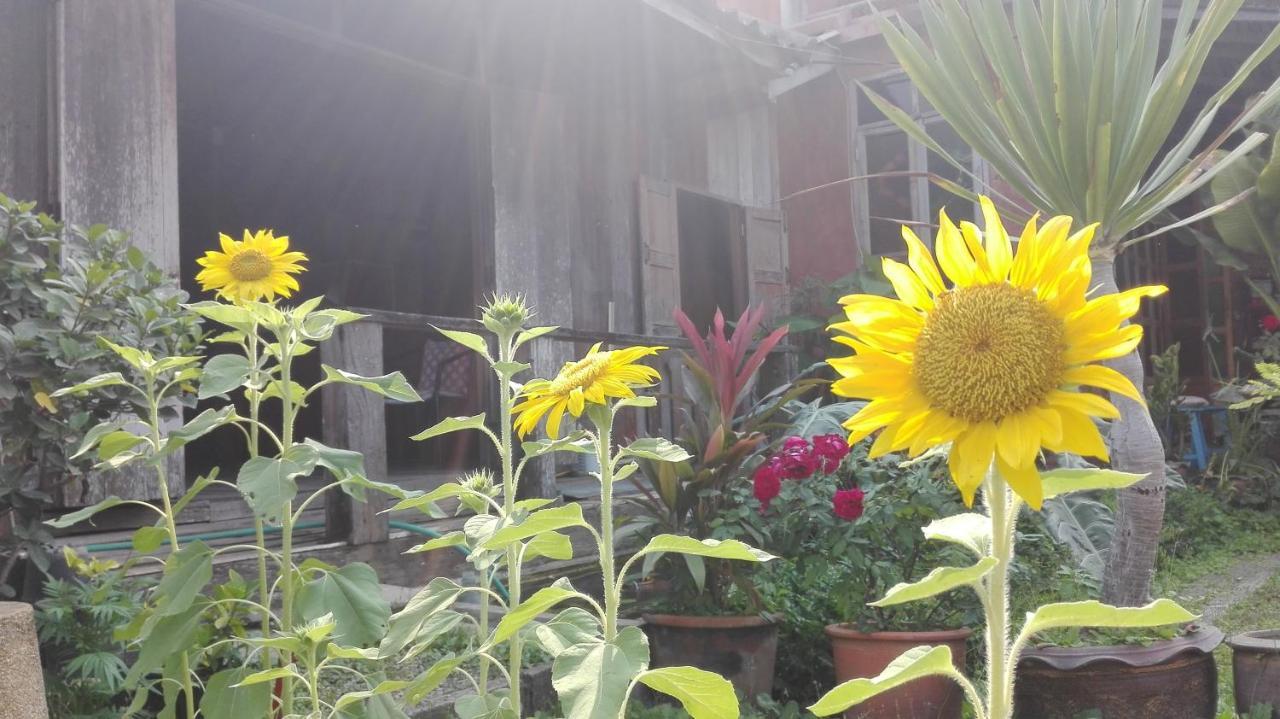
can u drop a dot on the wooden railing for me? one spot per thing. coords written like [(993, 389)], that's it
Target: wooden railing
[(356, 420)]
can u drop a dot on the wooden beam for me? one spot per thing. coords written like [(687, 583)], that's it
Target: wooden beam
[(355, 419)]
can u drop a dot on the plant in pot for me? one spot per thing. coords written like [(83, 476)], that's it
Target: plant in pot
[(847, 528), (704, 611)]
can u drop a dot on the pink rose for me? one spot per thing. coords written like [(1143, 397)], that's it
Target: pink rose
[(799, 462), (847, 504)]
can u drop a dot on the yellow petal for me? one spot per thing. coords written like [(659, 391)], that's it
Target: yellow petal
[(1103, 378), (953, 254), (1022, 272), (1089, 404), (1024, 480), (1018, 440), (907, 284), (1080, 436), (922, 262), (999, 250)]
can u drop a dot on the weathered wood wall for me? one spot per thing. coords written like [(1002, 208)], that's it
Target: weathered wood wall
[(24, 99)]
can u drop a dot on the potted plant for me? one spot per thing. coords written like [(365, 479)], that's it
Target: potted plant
[(1164, 672), (847, 529), (1255, 662), (705, 612)]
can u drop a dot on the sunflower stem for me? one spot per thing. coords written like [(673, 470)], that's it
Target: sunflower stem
[(1000, 660)]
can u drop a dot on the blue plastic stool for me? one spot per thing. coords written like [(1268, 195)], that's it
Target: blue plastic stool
[(1200, 452)]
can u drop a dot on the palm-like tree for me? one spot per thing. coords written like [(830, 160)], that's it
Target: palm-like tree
[(1073, 103)]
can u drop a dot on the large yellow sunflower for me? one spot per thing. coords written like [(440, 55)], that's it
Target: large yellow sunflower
[(594, 378), (260, 266), (996, 363)]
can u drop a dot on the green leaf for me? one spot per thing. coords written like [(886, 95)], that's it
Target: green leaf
[(656, 449), (406, 624), (450, 424), (511, 369), (571, 626), (593, 679), (576, 442), (267, 483), (483, 706), (910, 665), (942, 579), (382, 687), (230, 315), (969, 529), (109, 379), (552, 545), (714, 548), (1093, 613), (80, 515), (1064, 481), (353, 597), (393, 386), (136, 358), (426, 502), (427, 682), (148, 539), (529, 609), (640, 402), (533, 333), (223, 699), (203, 424), (347, 467), (186, 572), (439, 625), (116, 443), (470, 340), (95, 435), (546, 520), (223, 373), (703, 694), (169, 636), (269, 675), (452, 539)]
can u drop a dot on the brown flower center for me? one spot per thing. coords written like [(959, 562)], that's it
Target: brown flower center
[(988, 352), (250, 265)]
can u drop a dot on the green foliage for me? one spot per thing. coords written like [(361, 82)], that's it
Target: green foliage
[(60, 288), (811, 301), (1163, 390), (84, 663)]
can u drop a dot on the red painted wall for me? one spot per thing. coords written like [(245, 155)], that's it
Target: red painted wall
[(767, 10), (813, 149)]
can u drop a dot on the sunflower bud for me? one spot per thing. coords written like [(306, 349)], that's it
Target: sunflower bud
[(479, 481), (504, 314)]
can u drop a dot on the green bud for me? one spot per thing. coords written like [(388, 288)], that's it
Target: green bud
[(505, 314)]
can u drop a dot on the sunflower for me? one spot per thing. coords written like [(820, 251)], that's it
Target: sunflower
[(594, 378), (258, 266), (995, 364)]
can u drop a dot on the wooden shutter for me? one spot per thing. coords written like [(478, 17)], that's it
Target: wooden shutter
[(766, 240), (659, 256)]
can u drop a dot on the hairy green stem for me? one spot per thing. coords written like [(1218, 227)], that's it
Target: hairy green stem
[(1000, 663), (259, 529), (612, 593), (286, 518), (515, 653), (171, 524)]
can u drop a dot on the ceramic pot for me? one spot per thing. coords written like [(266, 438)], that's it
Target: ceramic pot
[(866, 654)]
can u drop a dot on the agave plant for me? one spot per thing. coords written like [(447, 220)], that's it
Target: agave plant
[(1073, 104)]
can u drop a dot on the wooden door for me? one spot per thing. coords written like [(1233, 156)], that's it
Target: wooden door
[(764, 231), (659, 256)]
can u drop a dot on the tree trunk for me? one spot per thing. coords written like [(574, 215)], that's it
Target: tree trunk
[(1135, 447)]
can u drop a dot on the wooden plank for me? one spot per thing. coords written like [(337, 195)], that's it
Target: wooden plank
[(117, 147), (24, 132), (660, 255), (355, 419)]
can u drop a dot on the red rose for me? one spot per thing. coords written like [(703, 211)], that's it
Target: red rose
[(767, 481), (1271, 323), (847, 504), (795, 443), (831, 449), (799, 462)]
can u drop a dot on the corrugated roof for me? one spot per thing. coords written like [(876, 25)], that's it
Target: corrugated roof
[(763, 42)]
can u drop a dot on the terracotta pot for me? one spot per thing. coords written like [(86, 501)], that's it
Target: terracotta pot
[(1169, 679), (740, 649), (858, 654), (1255, 659)]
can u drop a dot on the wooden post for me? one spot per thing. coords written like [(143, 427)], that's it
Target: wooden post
[(355, 419)]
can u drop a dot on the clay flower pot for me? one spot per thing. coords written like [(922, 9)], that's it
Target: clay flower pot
[(1168, 679), (742, 649), (1255, 658), (858, 654)]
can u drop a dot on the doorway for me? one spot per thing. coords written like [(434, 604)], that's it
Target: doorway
[(713, 261)]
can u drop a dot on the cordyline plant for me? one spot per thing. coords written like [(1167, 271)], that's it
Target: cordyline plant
[(1073, 104), (992, 369), (719, 432), (312, 615), (597, 664)]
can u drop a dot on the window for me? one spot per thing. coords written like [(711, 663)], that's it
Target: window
[(881, 205)]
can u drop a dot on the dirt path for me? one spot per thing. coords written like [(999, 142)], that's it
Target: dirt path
[(1216, 593)]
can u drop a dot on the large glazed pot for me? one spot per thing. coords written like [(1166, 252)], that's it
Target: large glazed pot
[(1255, 659), (742, 649), (1168, 679), (858, 654)]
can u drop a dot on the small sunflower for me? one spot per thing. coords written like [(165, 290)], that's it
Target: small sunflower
[(260, 266), (996, 363), (594, 378)]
